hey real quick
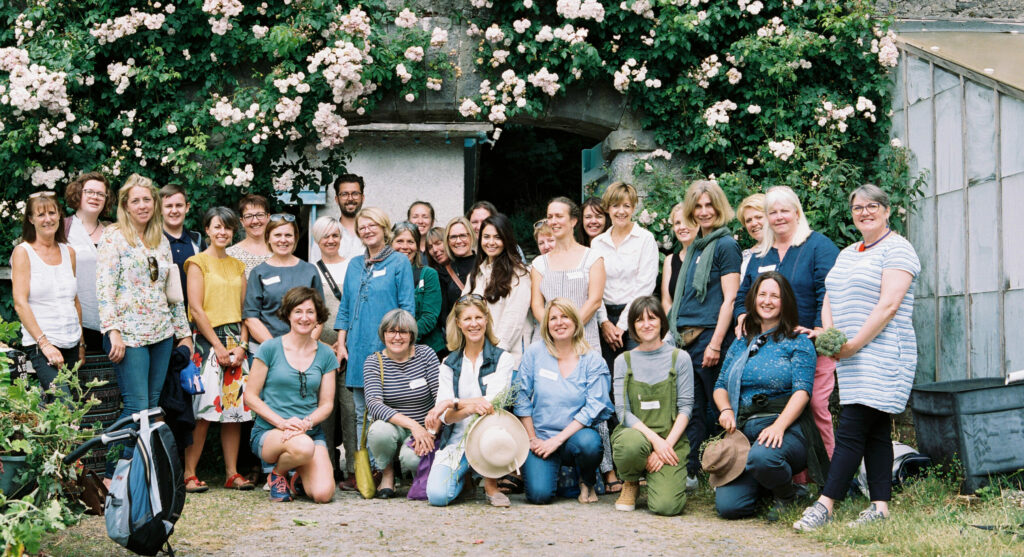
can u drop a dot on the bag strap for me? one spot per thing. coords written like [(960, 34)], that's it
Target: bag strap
[(454, 276), (330, 279)]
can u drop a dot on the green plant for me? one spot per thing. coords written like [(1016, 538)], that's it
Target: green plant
[(829, 342)]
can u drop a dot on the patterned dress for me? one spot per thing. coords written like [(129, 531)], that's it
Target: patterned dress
[(249, 259)]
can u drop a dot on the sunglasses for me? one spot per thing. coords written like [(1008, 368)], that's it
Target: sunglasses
[(469, 297), (302, 384), (43, 193), (761, 341), (539, 223), (154, 269), (287, 217)]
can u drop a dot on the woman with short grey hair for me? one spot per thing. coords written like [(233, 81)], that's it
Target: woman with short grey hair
[(400, 385)]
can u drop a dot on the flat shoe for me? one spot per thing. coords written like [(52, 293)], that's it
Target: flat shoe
[(499, 499), (613, 487), (386, 493)]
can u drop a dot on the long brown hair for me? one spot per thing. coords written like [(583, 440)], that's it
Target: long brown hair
[(507, 266), (789, 317), (28, 229)]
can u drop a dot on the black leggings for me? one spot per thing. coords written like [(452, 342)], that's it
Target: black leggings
[(863, 432)]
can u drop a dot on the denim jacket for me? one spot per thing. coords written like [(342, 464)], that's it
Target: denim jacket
[(368, 293)]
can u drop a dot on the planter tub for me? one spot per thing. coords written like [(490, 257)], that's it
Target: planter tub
[(12, 465), (981, 421)]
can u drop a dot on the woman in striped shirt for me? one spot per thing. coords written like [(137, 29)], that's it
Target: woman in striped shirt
[(400, 384)]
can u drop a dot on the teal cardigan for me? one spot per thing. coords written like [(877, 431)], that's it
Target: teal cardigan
[(428, 308)]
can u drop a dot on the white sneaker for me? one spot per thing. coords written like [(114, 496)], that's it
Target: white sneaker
[(692, 483)]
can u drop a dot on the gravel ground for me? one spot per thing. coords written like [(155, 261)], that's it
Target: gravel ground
[(234, 523)]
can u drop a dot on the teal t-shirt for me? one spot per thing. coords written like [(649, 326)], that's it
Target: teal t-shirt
[(282, 390)]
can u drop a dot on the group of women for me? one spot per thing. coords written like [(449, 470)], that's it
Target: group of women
[(437, 323)]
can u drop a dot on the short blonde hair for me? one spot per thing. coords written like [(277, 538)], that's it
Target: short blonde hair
[(453, 337), (719, 201), (753, 201), (619, 192), (324, 226), (579, 344), (378, 217), (786, 196), (154, 228), (469, 230)]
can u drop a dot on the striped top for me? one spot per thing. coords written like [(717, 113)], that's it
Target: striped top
[(573, 285), (881, 374), (410, 387)]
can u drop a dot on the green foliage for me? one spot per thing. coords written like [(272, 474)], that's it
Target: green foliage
[(829, 342)]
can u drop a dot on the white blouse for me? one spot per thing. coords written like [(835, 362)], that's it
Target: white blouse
[(631, 269)]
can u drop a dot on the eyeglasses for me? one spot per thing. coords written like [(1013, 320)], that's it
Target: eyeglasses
[(396, 334), (460, 237), (94, 193), (286, 217), (154, 269), (368, 227), (302, 384), (469, 297), (870, 208), (43, 193), (250, 216), (350, 195)]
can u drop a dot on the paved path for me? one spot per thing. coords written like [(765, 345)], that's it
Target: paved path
[(232, 523)]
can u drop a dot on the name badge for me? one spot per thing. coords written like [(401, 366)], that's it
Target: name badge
[(697, 261), (765, 269), (267, 281), (548, 374), (417, 383), (650, 404), (421, 284), (574, 275), (380, 273)]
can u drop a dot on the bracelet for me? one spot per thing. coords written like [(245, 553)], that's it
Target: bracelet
[(719, 350), (727, 410)]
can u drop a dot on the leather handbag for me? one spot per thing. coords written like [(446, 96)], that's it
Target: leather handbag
[(172, 288)]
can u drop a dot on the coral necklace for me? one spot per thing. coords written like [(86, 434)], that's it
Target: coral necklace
[(864, 246)]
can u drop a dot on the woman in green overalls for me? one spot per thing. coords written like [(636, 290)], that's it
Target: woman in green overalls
[(656, 380)]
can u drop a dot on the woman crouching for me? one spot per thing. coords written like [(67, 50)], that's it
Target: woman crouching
[(291, 389)]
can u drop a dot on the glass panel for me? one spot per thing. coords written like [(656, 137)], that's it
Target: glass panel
[(951, 245), (920, 130), (899, 126), (924, 327), (949, 141), (952, 344), (919, 79), (1013, 305), (983, 237), (986, 325), (896, 80), (945, 80), (1013, 231), (1011, 114), (922, 236), (981, 133)]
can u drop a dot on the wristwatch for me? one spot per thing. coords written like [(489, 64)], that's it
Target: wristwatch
[(455, 404)]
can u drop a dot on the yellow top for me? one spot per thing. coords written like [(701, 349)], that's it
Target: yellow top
[(223, 285)]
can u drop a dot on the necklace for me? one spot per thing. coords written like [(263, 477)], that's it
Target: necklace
[(864, 246), (94, 229)]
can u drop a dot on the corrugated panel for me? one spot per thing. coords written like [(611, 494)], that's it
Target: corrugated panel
[(952, 347)]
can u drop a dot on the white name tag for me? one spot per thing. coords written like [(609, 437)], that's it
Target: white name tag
[(765, 269), (421, 284), (548, 374), (697, 261), (417, 383), (650, 404), (380, 273), (267, 281), (574, 275)]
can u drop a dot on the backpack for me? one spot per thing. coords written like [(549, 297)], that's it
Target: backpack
[(147, 492)]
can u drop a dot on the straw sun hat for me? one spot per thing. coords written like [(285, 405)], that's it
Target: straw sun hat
[(497, 444), (725, 459)]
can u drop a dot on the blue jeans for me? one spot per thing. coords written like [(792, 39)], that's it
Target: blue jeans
[(359, 398), (582, 450), (445, 484), (140, 375), (768, 471)]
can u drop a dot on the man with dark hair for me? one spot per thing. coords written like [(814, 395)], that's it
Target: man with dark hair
[(349, 191), (184, 243)]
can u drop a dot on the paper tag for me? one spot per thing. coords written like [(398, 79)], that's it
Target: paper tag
[(417, 383), (650, 404), (380, 273), (548, 374), (574, 275), (765, 269), (267, 281), (421, 284), (697, 261)]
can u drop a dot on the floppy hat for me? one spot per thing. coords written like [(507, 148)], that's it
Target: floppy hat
[(725, 459), (497, 444)]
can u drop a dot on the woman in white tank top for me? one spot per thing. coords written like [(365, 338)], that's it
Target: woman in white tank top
[(46, 291)]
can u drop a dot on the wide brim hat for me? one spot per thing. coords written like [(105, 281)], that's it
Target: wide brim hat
[(497, 444), (725, 459)]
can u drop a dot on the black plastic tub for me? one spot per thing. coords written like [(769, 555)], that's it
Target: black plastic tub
[(979, 421)]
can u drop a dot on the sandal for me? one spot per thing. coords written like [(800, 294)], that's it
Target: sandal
[(246, 485), (511, 484), (609, 487), (198, 486)]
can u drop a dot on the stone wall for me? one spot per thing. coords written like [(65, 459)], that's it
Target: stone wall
[(954, 9)]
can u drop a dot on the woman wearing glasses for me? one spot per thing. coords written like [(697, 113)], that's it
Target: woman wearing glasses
[(376, 282), (763, 391), (500, 277), (401, 387), (139, 324), (253, 249), (870, 298), (291, 390), (45, 290), (459, 239), (90, 197), (269, 281), (406, 241)]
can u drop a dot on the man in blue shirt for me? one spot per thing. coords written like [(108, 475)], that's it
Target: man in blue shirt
[(184, 243)]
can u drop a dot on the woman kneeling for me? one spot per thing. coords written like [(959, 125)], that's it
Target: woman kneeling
[(769, 379), (291, 389), (656, 382), (563, 392)]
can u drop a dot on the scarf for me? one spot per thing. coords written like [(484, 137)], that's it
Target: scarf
[(701, 276), (381, 256)]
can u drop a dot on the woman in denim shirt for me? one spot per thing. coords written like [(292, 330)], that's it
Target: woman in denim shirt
[(375, 283)]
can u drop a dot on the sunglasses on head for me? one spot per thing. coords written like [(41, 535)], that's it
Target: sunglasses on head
[(43, 193), (540, 223), (469, 297), (287, 217)]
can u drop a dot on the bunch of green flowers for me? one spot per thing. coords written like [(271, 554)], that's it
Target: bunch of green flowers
[(829, 342)]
